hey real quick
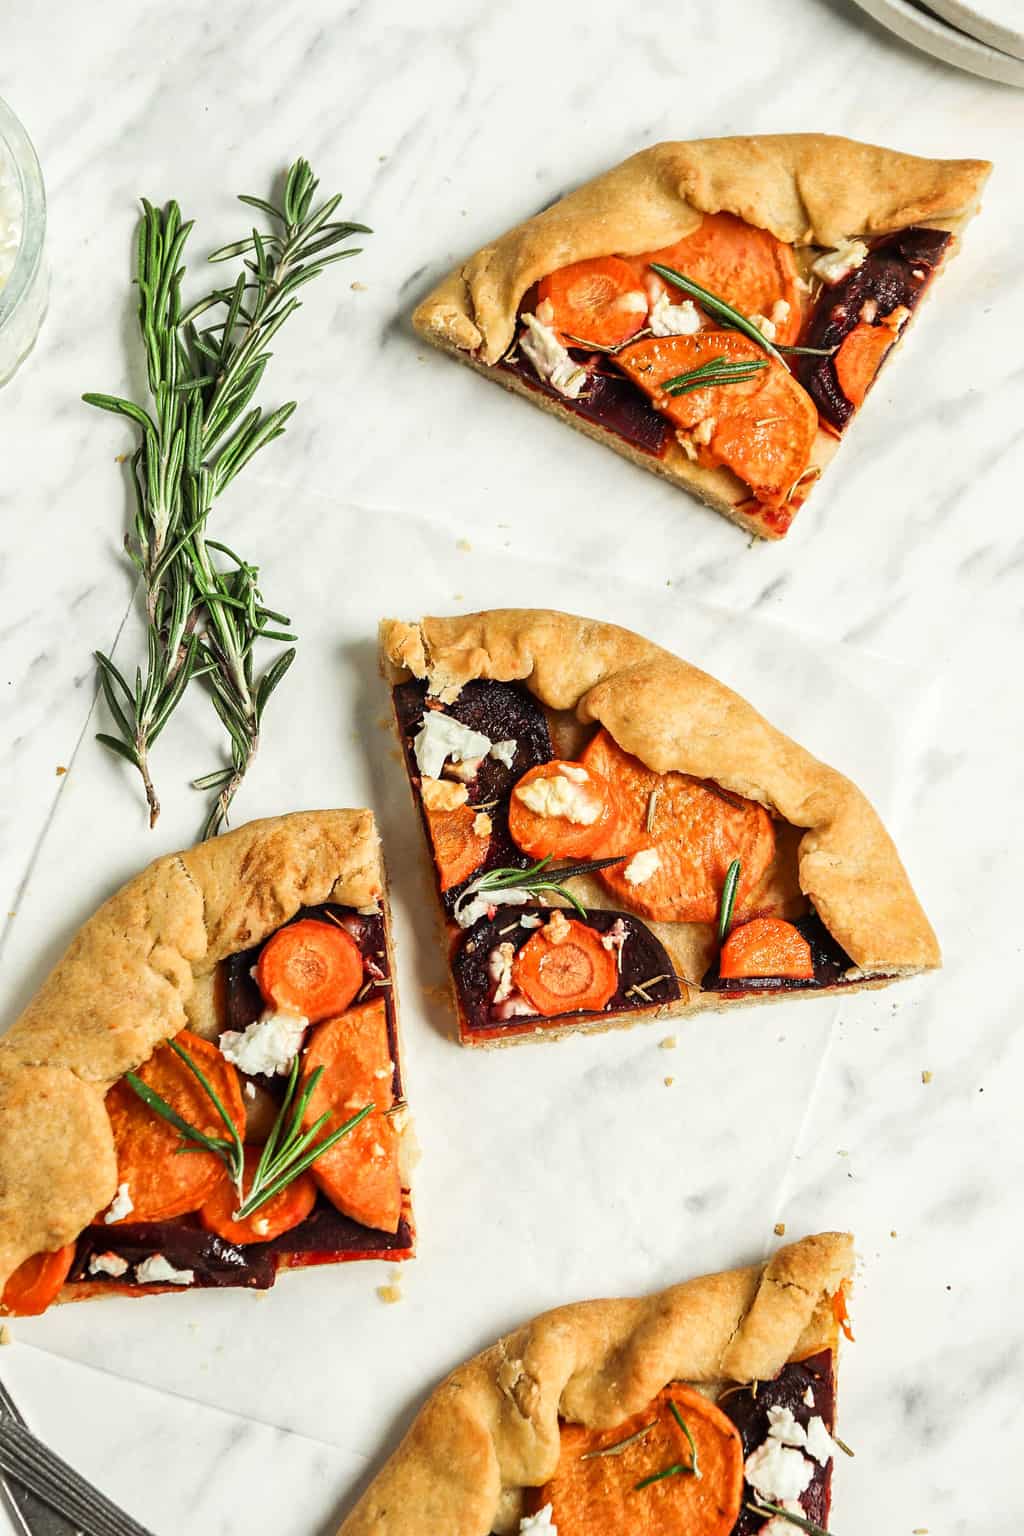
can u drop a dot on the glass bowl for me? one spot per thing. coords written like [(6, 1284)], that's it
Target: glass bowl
[(24, 283)]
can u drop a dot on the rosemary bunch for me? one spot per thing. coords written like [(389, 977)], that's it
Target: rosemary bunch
[(204, 608)]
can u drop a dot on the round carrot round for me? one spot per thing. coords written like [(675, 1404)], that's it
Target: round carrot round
[(459, 849), (601, 300), (563, 967), (609, 1494), (162, 1181), (860, 357), (763, 428), (36, 1282), (693, 827), (766, 946), (279, 1214), (746, 266), (311, 968), (559, 808), (360, 1174)]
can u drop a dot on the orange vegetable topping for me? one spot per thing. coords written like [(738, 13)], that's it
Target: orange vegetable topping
[(694, 829), (310, 968), (860, 357), (575, 811), (602, 301), (279, 1214), (564, 966), (460, 846), (766, 946), (36, 1282), (161, 1183)]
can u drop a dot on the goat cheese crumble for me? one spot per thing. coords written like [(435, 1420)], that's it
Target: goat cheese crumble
[(560, 795), (108, 1264), (833, 266), (667, 319), (157, 1271), (440, 737), (532, 1525), (269, 1045), (550, 360), (121, 1206), (777, 1472), (642, 866)]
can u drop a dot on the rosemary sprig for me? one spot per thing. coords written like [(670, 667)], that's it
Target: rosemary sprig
[(714, 371), (728, 899), (620, 1445), (715, 306), (204, 608), (694, 1468), (288, 1151), (535, 879), (785, 1514), (674, 1470)]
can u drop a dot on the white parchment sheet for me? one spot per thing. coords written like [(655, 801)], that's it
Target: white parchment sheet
[(550, 1172)]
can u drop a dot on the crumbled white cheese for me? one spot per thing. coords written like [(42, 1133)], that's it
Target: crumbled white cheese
[(483, 826), (532, 1525), (269, 1045), (833, 266), (667, 319), (478, 905), (642, 866), (820, 1444), (764, 325), (809, 1398), (814, 1439), (556, 929), (108, 1264), (783, 1426), (440, 737), (157, 1271), (778, 1525), (558, 795), (465, 772), (704, 431), (442, 794), (249, 1089), (780, 312), (121, 1205), (614, 939), (777, 1472), (499, 969), (514, 1007), (550, 360), (530, 920), (505, 751)]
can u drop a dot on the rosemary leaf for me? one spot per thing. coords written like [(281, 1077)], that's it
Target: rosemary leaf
[(675, 1470), (620, 1445), (784, 1514), (713, 373), (694, 1467), (728, 899)]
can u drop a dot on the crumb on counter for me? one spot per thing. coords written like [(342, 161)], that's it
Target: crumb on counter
[(5, 1335), (926, 1077), (668, 1044), (358, 287), (780, 1229), (669, 1081), (893, 1232), (61, 770), (389, 1294)]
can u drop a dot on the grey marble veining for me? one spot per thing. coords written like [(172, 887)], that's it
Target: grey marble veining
[(885, 632)]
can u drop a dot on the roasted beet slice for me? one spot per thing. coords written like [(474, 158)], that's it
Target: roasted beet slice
[(895, 273), (831, 962), (748, 1410), (502, 712), (609, 401), (644, 963), (214, 1262)]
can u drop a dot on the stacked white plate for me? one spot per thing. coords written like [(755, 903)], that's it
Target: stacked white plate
[(983, 36)]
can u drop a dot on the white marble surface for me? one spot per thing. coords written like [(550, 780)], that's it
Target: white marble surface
[(899, 597)]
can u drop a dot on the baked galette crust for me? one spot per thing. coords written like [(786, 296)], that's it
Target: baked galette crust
[(806, 188), (491, 1429), (673, 716), (129, 980)]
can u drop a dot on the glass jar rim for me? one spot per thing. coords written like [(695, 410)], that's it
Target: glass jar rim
[(25, 162)]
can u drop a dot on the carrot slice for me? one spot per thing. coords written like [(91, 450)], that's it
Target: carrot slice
[(593, 1493), (459, 848), (279, 1214), (360, 1174), (693, 827), (311, 968), (763, 429), (766, 946), (736, 261), (840, 1313), (35, 1283), (564, 966), (860, 357), (584, 799), (602, 301), (161, 1182)]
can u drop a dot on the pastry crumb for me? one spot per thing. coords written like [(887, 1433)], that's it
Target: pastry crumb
[(842, 1152), (893, 1232), (358, 287), (780, 1229), (926, 1077), (389, 1294), (669, 1081), (61, 770), (464, 545), (5, 1335), (669, 1043)]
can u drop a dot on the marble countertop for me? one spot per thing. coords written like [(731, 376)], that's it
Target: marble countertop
[(884, 632)]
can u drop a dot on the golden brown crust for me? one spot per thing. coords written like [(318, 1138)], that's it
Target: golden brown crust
[(673, 716), (491, 1429), (126, 983), (807, 188)]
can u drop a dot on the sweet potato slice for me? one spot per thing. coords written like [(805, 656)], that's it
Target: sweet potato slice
[(736, 261), (694, 828), (611, 1494), (279, 1214), (860, 357), (162, 1181), (459, 848), (360, 1174), (763, 428), (766, 946)]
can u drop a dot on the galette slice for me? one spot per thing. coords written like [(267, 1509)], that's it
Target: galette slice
[(616, 835), (207, 1089), (715, 311), (708, 1409)]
